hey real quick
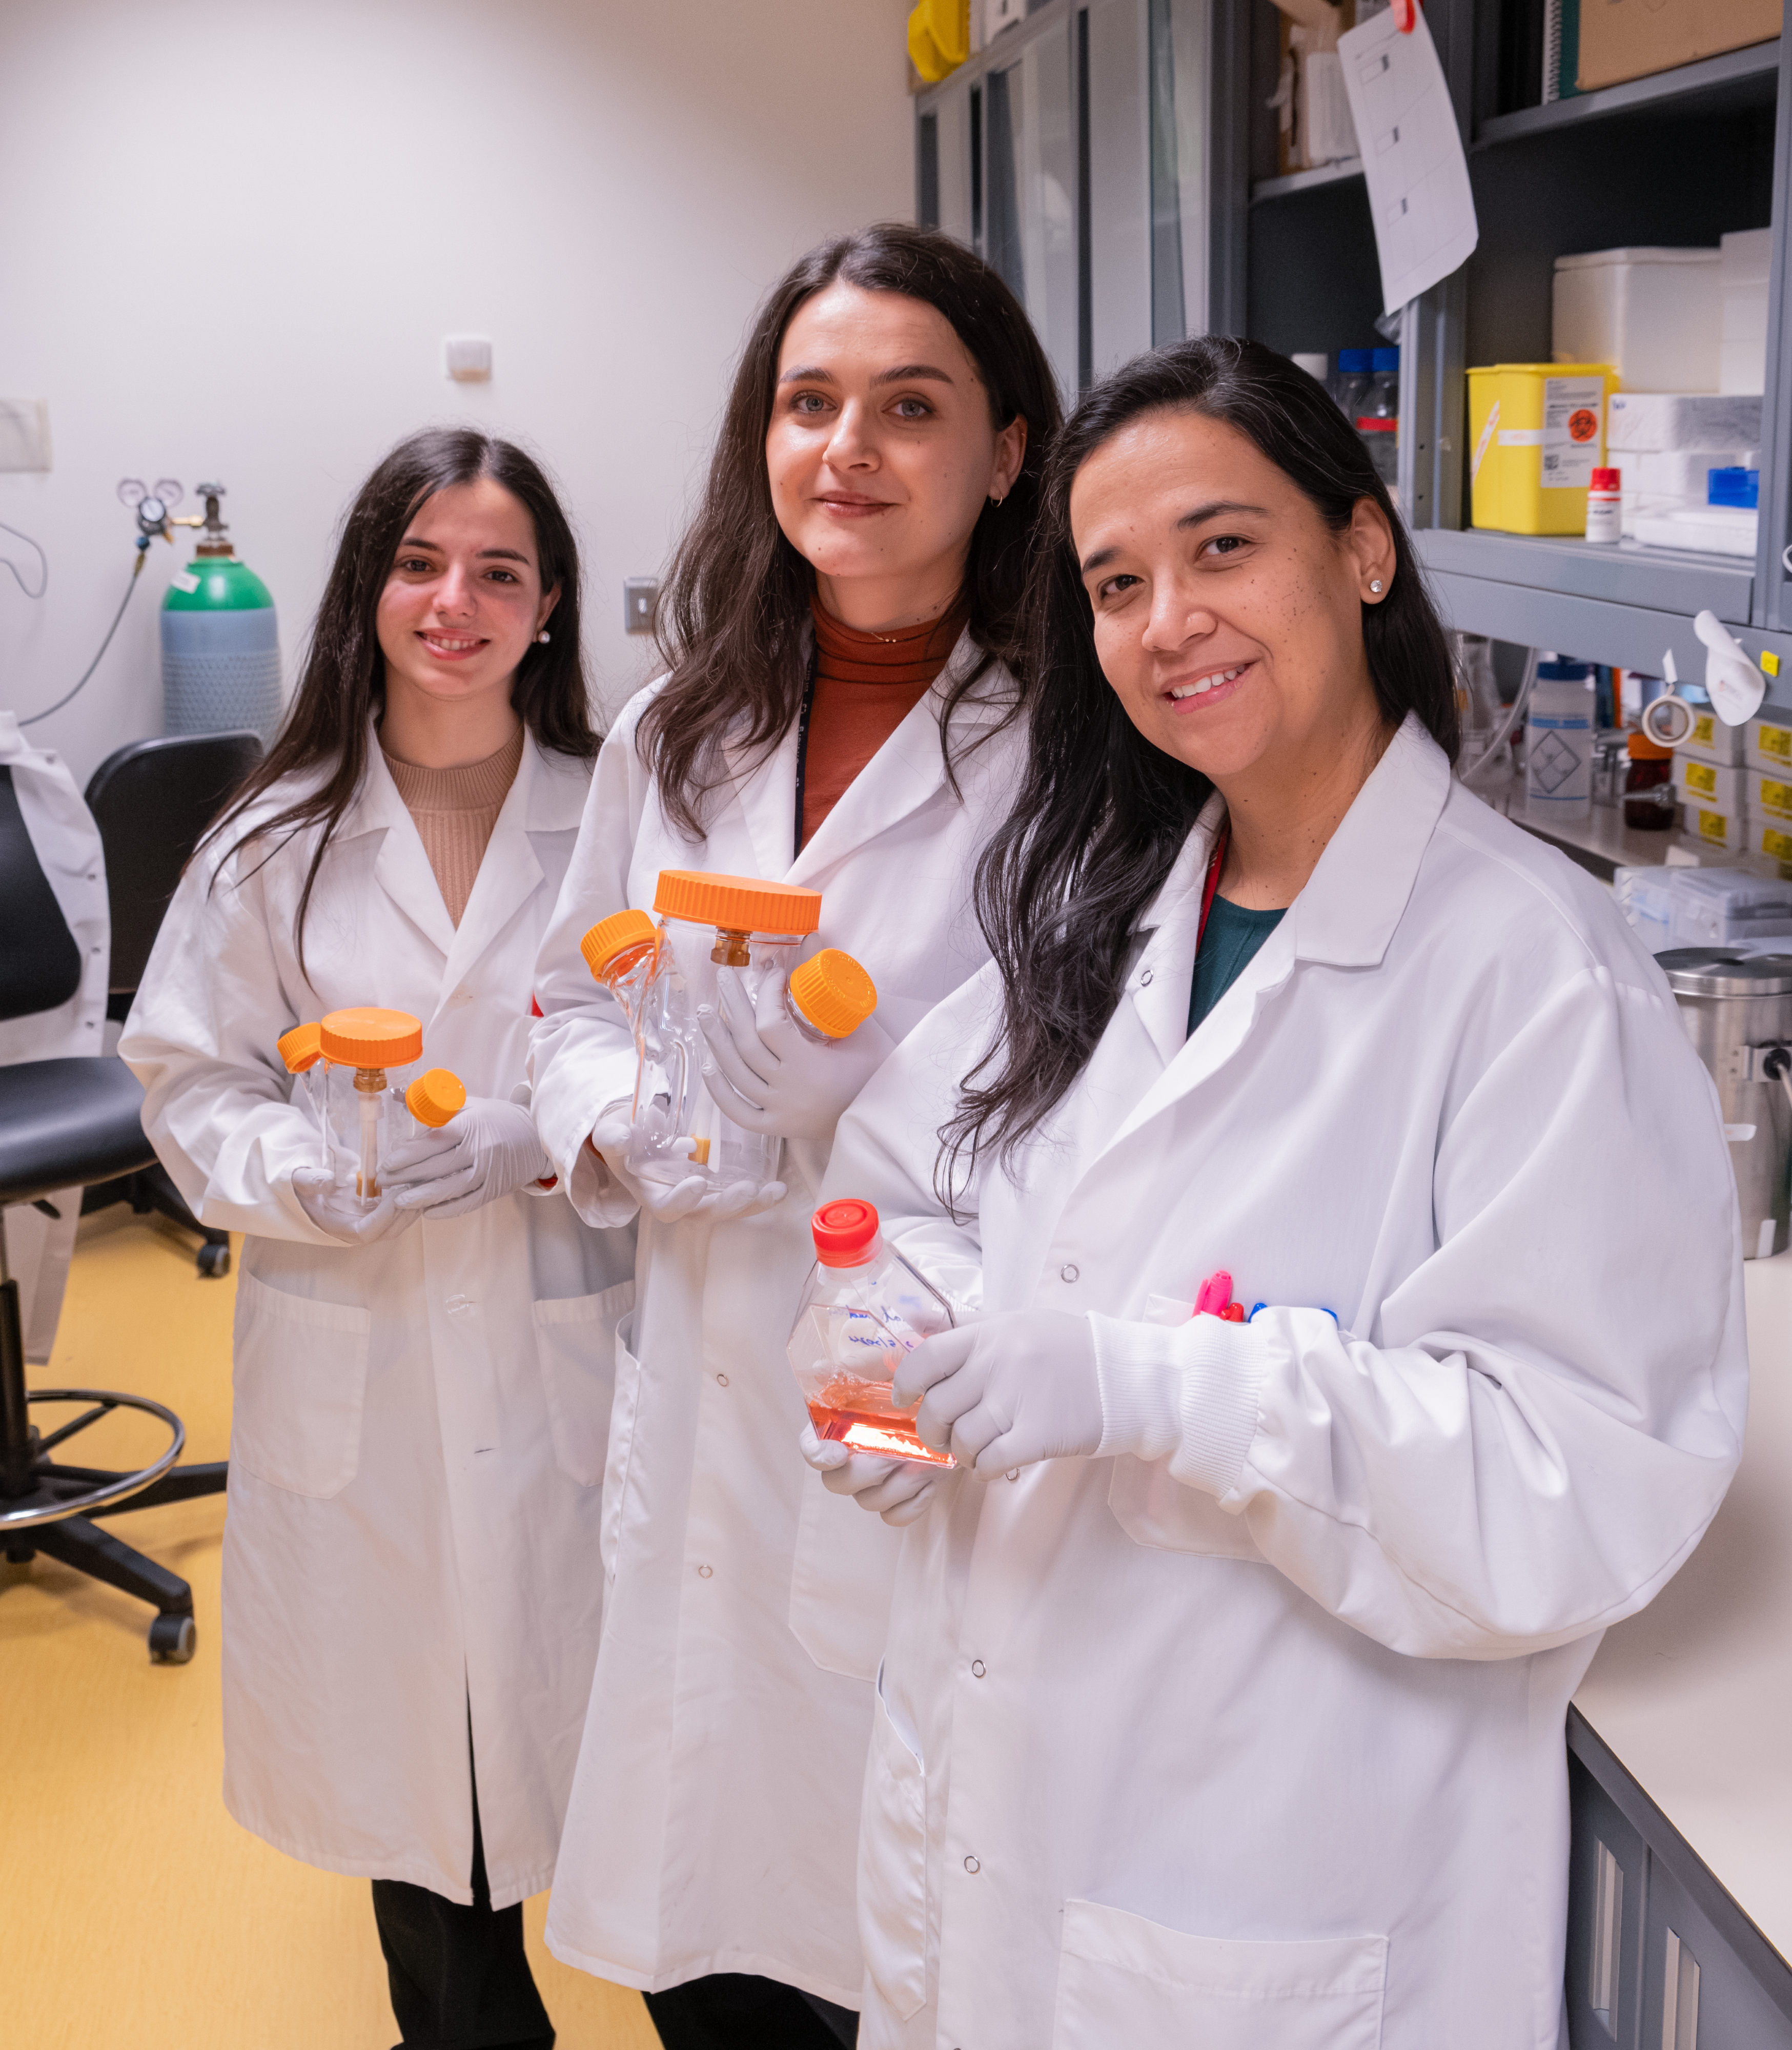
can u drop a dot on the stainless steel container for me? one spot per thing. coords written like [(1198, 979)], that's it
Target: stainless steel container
[(1738, 1014)]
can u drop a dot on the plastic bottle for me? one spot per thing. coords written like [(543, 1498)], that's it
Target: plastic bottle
[(363, 1113), (864, 1308), (1649, 791), (662, 974), (1352, 378), (1478, 711), (1605, 507), (1378, 414), (1559, 739)]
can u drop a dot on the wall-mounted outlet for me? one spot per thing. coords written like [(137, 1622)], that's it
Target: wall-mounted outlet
[(640, 604), (467, 358), (25, 434)]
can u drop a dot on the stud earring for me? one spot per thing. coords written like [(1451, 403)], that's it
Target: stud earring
[(544, 637), (1374, 585)]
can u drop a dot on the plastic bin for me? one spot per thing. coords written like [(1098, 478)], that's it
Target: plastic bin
[(1536, 433), (1721, 907)]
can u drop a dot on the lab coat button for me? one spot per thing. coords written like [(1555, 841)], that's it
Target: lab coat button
[(1069, 1270), (1013, 1473), (703, 1573), (722, 1381), (1144, 979), (970, 1864), (978, 1668)]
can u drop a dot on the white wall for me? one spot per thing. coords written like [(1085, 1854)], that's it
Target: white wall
[(232, 240)]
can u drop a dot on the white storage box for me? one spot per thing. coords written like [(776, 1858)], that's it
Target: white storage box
[(1711, 740), (1769, 798), (1655, 315), (1715, 784), (1708, 530), (1720, 907), (1680, 420), (1645, 897), (1767, 743), (1684, 474), (1742, 272), (1725, 832)]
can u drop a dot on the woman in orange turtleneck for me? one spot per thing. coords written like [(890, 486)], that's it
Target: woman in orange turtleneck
[(844, 710)]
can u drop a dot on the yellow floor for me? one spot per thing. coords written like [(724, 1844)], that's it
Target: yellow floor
[(132, 1909)]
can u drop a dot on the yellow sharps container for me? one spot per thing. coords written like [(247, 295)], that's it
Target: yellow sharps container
[(1536, 433)]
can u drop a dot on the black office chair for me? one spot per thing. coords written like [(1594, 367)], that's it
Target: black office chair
[(151, 802), (63, 1122)]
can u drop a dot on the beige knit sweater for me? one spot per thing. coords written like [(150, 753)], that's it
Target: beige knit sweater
[(456, 810)]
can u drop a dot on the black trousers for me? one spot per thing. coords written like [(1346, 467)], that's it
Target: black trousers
[(735, 2011), (459, 1977)]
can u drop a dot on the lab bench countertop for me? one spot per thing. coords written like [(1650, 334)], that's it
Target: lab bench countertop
[(1694, 1696)]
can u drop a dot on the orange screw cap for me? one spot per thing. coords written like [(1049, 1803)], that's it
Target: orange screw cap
[(834, 992), (365, 1037), (301, 1048), (616, 943), (433, 1099), (737, 904)]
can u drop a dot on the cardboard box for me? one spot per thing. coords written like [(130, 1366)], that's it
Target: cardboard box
[(1769, 798), (1711, 740), (1716, 785), (1727, 831), (1768, 744), (1623, 39)]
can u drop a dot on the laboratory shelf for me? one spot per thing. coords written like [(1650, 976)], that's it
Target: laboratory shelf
[(1738, 78), (1301, 181), (1600, 843), (1626, 606)]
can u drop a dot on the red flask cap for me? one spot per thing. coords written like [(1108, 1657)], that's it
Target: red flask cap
[(845, 1232)]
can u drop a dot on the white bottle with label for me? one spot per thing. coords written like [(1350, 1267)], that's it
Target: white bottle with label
[(1559, 730)]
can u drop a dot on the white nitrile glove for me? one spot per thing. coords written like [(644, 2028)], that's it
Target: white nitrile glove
[(489, 1148), (769, 1076), (314, 1187), (696, 1197), (898, 1490), (1011, 1390)]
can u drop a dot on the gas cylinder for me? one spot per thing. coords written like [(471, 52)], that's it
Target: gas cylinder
[(221, 644)]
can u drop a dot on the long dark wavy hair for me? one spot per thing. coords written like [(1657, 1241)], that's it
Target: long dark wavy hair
[(734, 605), (323, 738), (1102, 813)]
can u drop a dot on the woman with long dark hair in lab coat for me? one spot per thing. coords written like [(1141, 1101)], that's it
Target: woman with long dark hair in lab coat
[(844, 710), (410, 1612), (1226, 1677)]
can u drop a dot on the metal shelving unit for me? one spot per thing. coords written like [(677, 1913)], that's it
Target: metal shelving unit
[(1679, 157), (1300, 181)]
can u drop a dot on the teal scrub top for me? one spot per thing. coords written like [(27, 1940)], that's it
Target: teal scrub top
[(1233, 935)]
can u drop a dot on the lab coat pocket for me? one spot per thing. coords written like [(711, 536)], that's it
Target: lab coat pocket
[(843, 1580), (1123, 1979), (893, 1865), (299, 1381), (574, 1341), (1154, 1508), (622, 1440)]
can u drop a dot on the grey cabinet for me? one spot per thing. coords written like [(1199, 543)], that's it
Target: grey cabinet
[(1659, 1956)]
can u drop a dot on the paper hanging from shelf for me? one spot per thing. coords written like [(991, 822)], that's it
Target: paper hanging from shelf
[(1412, 154)]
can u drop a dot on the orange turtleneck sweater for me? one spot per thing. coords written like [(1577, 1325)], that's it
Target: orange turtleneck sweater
[(866, 685)]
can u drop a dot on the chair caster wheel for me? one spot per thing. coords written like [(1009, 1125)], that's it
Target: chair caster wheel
[(173, 1639), (214, 1262)]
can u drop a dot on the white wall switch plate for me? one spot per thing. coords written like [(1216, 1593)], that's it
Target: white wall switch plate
[(25, 434), (468, 357), (640, 604)]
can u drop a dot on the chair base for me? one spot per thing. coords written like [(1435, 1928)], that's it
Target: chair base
[(152, 1189), (74, 1497)]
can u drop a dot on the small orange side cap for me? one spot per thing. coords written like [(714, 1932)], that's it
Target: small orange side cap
[(365, 1037), (615, 943), (834, 992), (737, 904), (301, 1048), (432, 1099)]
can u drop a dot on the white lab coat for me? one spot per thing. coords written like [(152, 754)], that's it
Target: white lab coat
[(1258, 1745), (66, 842), (417, 1439), (714, 1817)]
